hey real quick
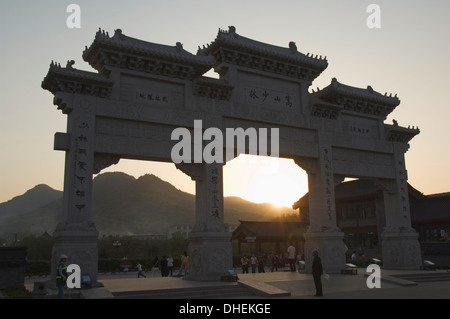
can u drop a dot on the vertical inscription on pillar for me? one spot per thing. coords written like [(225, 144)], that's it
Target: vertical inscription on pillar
[(215, 193), (82, 161), (403, 188), (329, 184)]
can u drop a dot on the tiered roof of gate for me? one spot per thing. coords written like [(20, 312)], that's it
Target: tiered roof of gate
[(230, 47), (121, 51), (359, 100), (71, 80)]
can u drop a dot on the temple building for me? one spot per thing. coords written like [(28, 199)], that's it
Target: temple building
[(360, 214), (274, 235)]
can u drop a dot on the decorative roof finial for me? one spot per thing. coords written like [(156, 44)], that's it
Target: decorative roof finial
[(179, 47), (293, 47), (118, 33), (69, 64)]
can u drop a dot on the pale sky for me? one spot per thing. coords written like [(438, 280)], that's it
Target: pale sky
[(407, 56)]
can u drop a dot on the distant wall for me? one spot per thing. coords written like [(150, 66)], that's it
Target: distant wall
[(12, 267)]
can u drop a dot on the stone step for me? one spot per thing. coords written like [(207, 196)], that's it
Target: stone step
[(426, 277), (187, 293)]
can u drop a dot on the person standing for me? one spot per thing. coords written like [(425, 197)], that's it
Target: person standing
[(163, 266), (353, 256), (317, 271), (169, 265), (61, 276), (291, 256), (261, 264), (274, 262), (253, 262), (244, 263)]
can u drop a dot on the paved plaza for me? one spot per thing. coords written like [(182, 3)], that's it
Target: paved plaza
[(287, 285)]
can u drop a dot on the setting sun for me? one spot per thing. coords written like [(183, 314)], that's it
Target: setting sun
[(265, 180)]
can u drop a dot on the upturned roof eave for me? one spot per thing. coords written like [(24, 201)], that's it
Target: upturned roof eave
[(69, 73), (337, 89)]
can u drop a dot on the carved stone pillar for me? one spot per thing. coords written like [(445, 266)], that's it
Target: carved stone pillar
[(323, 234), (210, 254), (399, 242), (76, 235)]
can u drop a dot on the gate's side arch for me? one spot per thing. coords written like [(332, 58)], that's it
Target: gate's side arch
[(143, 91)]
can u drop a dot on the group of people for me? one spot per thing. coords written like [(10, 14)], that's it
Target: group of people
[(165, 265), (360, 260), (316, 267), (276, 260), (253, 262)]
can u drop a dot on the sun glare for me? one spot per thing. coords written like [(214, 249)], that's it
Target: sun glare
[(265, 180)]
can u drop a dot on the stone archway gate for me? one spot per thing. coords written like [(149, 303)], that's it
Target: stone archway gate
[(142, 91)]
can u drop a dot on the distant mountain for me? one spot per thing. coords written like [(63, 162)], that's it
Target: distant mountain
[(123, 205), (34, 198)]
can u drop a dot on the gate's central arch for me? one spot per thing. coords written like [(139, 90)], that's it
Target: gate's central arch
[(143, 91)]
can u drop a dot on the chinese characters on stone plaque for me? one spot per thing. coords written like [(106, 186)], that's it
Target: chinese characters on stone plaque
[(269, 97), (150, 97)]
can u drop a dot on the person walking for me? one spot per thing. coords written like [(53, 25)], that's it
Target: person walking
[(291, 256), (140, 272), (184, 264), (317, 272), (61, 276)]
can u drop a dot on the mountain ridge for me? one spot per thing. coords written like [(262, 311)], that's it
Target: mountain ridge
[(123, 205)]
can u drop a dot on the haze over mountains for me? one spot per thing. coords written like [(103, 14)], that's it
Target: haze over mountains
[(123, 205)]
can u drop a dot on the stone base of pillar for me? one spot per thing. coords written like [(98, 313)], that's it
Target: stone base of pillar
[(210, 255), (331, 248), (401, 250), (79, 243)]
